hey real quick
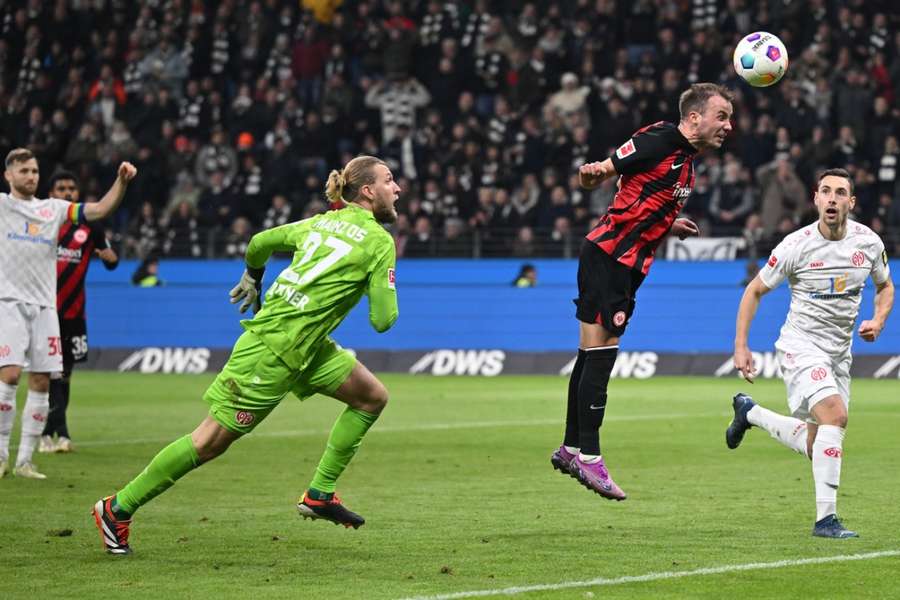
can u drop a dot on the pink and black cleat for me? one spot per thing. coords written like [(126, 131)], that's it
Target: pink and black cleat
[(595, 477), (561, 459)]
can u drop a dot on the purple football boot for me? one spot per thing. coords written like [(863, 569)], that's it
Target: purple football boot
[(562, 460), (595, 477)]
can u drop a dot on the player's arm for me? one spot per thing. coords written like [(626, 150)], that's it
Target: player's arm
[(884, 301), (591, 175), (743, 359), (382, 291), (103, 249), (248, 290), (110, 201)]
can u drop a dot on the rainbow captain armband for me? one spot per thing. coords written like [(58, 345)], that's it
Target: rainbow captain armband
[(76, 213)]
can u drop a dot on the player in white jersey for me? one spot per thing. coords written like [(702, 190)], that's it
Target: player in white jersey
[(29, 327), (826, 265)]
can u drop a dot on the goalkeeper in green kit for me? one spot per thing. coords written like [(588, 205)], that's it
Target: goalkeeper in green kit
[(338, 257)]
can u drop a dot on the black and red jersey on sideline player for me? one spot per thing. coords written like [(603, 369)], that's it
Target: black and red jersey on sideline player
[(75, 245), (657, 175)]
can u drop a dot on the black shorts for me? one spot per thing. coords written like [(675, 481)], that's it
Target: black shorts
[(74, 341), (606, 289)]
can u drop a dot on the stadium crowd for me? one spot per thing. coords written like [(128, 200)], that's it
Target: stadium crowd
[(234, 111)]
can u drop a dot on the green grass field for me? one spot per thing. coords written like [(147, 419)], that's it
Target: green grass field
[(459, 496)]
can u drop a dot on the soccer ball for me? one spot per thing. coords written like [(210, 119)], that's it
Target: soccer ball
[(761, 59)]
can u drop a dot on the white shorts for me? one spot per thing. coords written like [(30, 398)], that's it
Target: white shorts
[(29, 337), (810, 376)]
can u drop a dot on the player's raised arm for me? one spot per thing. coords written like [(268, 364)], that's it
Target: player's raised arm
[(110, 201), (591, 175), (743, 358), (870, 329)]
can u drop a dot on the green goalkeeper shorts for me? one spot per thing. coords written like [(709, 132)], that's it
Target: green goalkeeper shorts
[(255, 380)]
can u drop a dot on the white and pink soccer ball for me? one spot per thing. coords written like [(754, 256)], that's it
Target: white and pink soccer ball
[(760, 59)]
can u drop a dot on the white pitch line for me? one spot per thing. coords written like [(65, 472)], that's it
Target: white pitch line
[(511, 591), (412, 428)]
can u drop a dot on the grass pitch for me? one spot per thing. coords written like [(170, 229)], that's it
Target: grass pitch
[(459, 496)]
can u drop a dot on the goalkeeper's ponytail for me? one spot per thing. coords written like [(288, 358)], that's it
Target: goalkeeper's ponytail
[(345, 186)]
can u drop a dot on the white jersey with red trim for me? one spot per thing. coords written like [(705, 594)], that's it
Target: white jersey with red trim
[(28, 232), (826, 279)]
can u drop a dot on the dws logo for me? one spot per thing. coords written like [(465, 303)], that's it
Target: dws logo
[(461, 362), (766, 364), (640, 365), (167, 360)]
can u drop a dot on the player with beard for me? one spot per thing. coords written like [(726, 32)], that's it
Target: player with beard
[(656, 174), (76, 245), (339, 256), (29, 326), (826, 265)]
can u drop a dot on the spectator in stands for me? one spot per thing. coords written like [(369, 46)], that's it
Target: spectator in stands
[(397, 98), (420, 242), (216, 157), (782, 194), (732, 198)]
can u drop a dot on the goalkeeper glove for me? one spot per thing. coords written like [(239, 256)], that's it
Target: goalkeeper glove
[(248, 291)]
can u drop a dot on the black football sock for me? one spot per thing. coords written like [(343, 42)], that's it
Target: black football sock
[(598, 366), (56, 394), (571, 438), (62, 427)]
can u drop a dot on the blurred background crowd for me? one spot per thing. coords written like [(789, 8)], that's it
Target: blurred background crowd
[(235, 111)]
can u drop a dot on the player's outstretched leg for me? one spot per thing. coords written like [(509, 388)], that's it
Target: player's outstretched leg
[(734, 434), (831, 527), (366, 397), (562, 456), (112, 514)]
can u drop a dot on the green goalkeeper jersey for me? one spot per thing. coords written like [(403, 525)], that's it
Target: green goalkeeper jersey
[(338, 256)]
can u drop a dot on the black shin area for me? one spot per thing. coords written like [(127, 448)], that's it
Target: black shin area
[(571, 438), (598, 365)]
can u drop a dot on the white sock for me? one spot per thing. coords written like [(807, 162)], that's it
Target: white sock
[(589, 458), (789, 431), (7, 417), (34, 418), (827, 451)]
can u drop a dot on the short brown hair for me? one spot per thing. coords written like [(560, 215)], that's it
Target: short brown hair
[(345, 185), (18, 155), (694, 99), (836, 173)]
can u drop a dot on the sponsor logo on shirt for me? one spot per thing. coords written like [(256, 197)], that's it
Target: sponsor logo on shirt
[(858, 259), (46, 213), (392, 279), (68, 254), (816, 264), (773, 260), (681, 193), (626, 149), (31, 234), (243, 417)]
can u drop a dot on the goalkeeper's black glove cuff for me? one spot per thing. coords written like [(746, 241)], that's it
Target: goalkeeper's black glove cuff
[(256, 273)]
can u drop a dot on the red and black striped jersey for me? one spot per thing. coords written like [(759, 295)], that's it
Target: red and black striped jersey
[(656, 176), (75, 245)]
